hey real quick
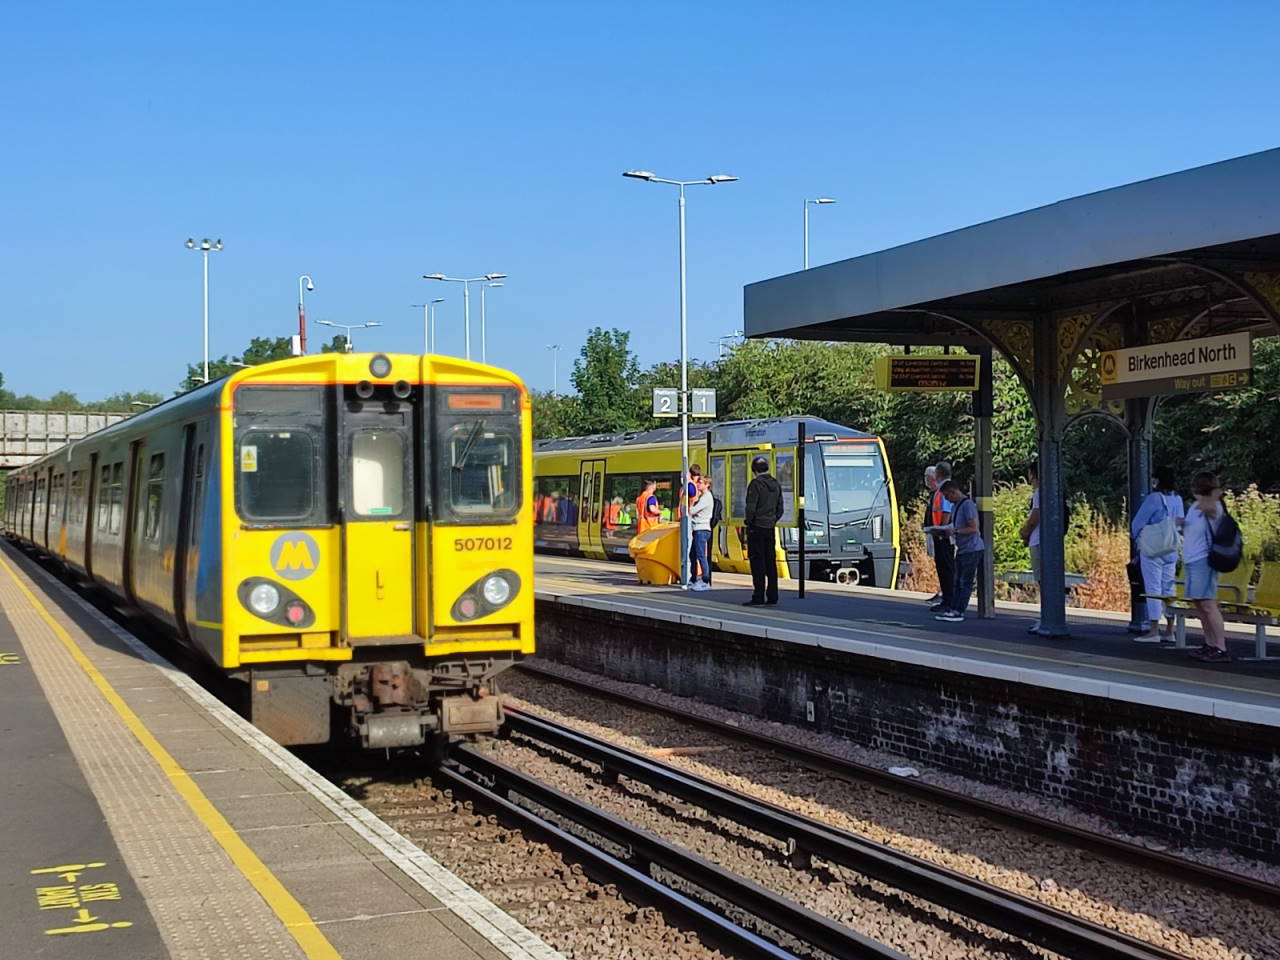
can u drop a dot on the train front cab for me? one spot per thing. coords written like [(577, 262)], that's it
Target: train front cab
[(377, 545), (851, 517)]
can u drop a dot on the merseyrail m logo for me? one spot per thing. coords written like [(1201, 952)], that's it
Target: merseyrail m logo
[(295, 556)]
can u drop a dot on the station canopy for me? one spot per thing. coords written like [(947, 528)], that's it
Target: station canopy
[(1154, 261), (1189, 255)]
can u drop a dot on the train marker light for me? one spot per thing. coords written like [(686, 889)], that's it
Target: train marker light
[(380, 366)]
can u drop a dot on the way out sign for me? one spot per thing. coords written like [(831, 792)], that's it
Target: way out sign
[(1183, 366)]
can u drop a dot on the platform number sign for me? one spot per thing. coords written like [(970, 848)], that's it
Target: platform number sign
[(665, 402), (702, 402)]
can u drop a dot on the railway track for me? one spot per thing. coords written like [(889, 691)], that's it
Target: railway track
[(1121, 851), (748, 918)]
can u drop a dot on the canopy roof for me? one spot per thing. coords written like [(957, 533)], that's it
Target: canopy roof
[(1158, 236)]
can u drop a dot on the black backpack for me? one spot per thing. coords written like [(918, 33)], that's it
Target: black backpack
[(1226, 546), (717, 511)]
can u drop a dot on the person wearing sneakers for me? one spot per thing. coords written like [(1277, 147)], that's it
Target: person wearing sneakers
[(700, 510), (1202, 580), (969, 550), (1157, 572)]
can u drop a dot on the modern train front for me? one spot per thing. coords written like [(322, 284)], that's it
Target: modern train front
[(850, 510), (379, 545)]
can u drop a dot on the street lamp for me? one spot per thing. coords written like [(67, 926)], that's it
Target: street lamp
[(302, 313), (684, 353), (484, 352), (204, 246), (806, 225), (719, 341), (143, 403), (348, 327), (555, 368), (429, 323), (466, 296)]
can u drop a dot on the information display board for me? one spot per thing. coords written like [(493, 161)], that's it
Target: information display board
[(927, 374)]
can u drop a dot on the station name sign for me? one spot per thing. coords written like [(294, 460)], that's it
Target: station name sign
[(927, 374), (1183, 366)]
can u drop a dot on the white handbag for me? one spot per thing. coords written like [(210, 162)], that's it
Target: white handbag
[(1159, 537)]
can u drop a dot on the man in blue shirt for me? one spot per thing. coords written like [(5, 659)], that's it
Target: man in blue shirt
[(969, 550)]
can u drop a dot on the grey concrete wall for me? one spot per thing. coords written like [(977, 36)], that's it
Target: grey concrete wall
[(1192, 780)]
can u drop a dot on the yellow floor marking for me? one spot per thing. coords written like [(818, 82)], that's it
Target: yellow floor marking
[(788, 619), (295, 918)]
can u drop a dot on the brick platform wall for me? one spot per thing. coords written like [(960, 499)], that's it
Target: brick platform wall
[(1189, 779)]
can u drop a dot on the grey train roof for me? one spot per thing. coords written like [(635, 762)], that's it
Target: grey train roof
[(697, 434)]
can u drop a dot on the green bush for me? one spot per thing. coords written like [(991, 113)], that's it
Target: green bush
[(1259, 517)]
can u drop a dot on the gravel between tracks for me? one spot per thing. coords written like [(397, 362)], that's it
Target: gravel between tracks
[(906, 923), (1197, 923), (581, 918)]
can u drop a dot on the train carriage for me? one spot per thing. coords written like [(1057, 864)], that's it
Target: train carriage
[(586, 490), (343, 530)]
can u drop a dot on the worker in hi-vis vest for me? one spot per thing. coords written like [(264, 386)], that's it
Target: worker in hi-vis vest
[(648, 511)]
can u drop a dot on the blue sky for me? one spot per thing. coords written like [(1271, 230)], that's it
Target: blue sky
[(368, 144)]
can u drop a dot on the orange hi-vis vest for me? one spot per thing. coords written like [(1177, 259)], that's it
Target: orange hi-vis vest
[(937, 516), (644, 519)]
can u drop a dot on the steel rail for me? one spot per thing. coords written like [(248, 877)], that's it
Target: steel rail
[(1121, 851), (645, 850), (1018, 916)]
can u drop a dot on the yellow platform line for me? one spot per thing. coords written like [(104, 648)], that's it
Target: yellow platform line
[(789, 620), (291, 913)]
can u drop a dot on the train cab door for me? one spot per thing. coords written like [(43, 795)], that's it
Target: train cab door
[(378, 523), (591, 509)]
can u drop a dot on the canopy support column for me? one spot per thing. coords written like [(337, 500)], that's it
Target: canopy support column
[(983, 480), (1140, 418), (1051, 414)]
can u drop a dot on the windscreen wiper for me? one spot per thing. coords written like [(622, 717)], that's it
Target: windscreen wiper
[(472, 437)]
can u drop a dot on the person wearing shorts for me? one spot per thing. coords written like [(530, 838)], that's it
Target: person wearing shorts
[(1201, 579)]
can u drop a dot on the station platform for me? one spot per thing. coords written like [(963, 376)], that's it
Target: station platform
[(1098, 658), (142, 818)]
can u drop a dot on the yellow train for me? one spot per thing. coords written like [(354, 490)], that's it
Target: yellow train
[(349, 534), (586, 490)]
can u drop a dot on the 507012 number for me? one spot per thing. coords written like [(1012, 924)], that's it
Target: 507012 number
[(482, 543)]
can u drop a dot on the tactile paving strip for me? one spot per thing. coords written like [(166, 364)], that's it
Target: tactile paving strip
[(202, 904)]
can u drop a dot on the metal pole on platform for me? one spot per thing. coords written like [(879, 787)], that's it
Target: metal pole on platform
[(205, 246), (466, 297), (303, 287), (799, 495), (820, 200), (1138, 419), (983, 481), (684, 360), (1051, 418)]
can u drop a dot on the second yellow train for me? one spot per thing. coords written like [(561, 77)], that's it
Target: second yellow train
[(586, 489)]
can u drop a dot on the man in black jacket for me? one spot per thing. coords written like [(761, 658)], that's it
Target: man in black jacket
[(764, 510)]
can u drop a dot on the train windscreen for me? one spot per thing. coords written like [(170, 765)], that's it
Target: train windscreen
[(855, 479)]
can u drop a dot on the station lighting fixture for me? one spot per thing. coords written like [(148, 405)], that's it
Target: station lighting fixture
[(715, 178)]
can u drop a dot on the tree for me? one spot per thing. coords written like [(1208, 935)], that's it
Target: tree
[(555, 415), (338, 344), (605, 376), (260, 350)]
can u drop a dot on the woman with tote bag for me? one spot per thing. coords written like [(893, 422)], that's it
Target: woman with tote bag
[(1155, 534)]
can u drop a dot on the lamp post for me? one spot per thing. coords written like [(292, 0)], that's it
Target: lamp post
[(555, 368), (429, 324), (684, 354), (302, 312), (719, 341), (205, 246), (484, 351), (466, 297), (348, 327), (822, 200)]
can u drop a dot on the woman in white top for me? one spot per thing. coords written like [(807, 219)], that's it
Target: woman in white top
[(1202, 580), (1157, 572), (700, 511)]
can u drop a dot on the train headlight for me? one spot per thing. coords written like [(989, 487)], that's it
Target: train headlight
[(380, 366), (497, 590), (263, 599)]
